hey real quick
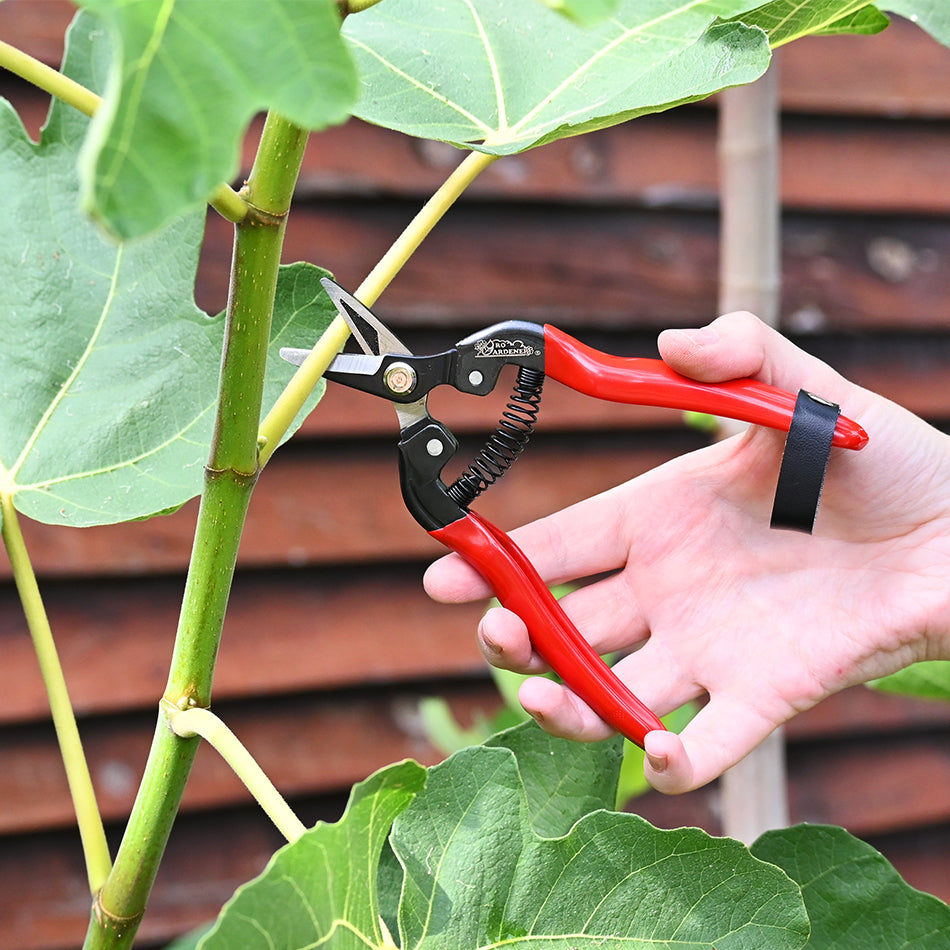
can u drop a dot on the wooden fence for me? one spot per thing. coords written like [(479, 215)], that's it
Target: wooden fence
[(330, 641)]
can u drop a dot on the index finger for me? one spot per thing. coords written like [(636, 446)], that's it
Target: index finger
[(584, 539)]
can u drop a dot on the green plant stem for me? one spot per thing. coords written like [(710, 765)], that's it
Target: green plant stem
[(225, 200), (48, 79), (203, 722), (290, 401), (95, 847), (230, 477)]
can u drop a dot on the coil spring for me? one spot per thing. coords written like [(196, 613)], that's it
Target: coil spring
[(506, 443)]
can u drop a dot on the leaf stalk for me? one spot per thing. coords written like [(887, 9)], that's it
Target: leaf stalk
[(203, 722), (91, 831)]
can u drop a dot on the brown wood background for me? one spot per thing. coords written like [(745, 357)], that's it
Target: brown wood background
[(330, 641)]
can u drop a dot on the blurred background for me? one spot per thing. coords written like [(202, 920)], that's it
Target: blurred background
[(330, 642)]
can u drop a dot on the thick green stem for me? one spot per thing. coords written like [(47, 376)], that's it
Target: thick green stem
[(291, 400), (95, 847), (229, 481)]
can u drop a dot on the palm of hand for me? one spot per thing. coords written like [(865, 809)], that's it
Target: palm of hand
[(766, 623)]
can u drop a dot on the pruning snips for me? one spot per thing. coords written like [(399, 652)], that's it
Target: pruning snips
[(388, 369)]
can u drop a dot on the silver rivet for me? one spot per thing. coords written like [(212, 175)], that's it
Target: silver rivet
[(475, 377), (434, 447), (400, 378)]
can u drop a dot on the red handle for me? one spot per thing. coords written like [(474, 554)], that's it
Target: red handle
[(649, 382), (519, 588)]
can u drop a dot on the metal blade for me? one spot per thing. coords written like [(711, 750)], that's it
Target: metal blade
[(355, 364), (293, 355), (373, 337)]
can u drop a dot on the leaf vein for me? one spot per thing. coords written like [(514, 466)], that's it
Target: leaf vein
[(77, 369), (428, 90)]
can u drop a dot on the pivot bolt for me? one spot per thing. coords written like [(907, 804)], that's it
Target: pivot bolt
[(400, 378)]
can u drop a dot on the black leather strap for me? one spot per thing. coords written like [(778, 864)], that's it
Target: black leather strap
[(804, 463)]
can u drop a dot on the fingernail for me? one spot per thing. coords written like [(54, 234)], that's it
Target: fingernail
[(491, 646), (658, 763)]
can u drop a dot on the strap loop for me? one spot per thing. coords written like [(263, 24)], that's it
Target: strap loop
[(804, 463)]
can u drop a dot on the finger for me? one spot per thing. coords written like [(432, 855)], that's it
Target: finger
[(658, 678), (739, 344), (720, 735), (504, 642), (560, 712), (452, 580), (607, 614), (579, 541)]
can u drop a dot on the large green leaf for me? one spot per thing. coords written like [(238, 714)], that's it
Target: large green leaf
[(584, 11), (187, 78), (788, 20), (473, 873), (507, 75), (108, 370), (477, 876), (929, 679), (563, 780), (321, 890), (855, 898), (931, 15)]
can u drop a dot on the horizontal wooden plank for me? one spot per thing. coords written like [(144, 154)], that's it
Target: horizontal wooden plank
[(120, 633), (332, 623), (603, 268), (341, 504), (308, 745), (903, 785), (665, 160), (37, 28), (886, 74), (894, 787), (863, 713), (45, 903), (674, 165), (320, 742)]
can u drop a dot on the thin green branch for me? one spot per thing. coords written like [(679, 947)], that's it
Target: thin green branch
[(92, 834), (225, 200), (203, 722), (290, 401), (48, 79)]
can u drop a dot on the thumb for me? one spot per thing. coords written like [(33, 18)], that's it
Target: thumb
[(737, 345), (721, 734)]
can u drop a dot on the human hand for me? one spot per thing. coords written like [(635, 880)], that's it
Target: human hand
[(714, 603)]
